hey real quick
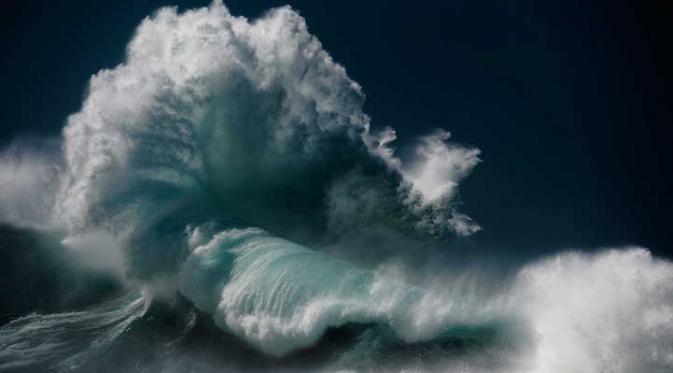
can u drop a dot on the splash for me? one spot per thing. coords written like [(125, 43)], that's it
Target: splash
[(229, 162), (254, 116)]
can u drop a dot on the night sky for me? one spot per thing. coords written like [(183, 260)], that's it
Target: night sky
[(569, 101)]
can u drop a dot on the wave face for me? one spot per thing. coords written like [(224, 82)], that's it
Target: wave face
[(227, 169), (281, 296)]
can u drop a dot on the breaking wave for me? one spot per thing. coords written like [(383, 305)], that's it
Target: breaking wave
[(228, 163)]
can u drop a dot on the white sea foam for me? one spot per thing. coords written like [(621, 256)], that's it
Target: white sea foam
[(605, 312)]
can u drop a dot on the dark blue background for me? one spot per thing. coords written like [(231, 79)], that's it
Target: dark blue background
[(568, 100)]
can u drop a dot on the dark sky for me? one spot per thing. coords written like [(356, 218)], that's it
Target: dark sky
[(568, 100)]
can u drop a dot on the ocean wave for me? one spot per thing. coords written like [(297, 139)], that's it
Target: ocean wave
[(229, 161)]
